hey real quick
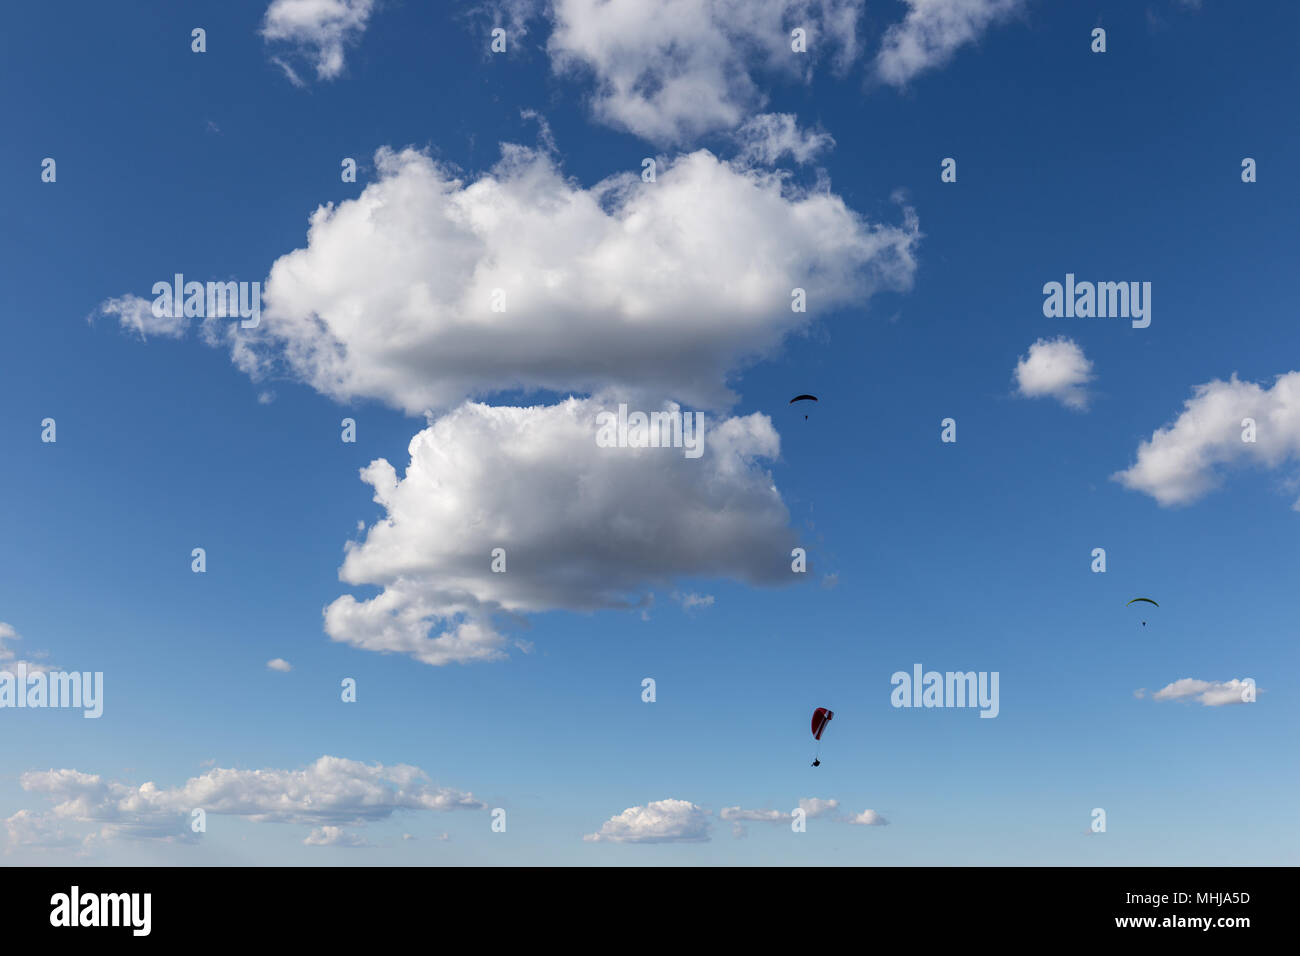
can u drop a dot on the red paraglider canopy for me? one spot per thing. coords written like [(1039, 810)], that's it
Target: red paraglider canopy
[(821, 717)]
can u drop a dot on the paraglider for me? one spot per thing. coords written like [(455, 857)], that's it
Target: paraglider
[(1147, 600), (803, 398), (820, 718)]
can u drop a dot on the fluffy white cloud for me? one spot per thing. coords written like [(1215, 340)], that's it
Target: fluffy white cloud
[(932, 31), (584, 527), (767, 138), (1209, 693), (869, 818), (663, 821), (1058, 369), (316, 30), (332, 792), (135, 314), (667, 286), (1179, 463), (670, 70), (814, 807), (279, 664)]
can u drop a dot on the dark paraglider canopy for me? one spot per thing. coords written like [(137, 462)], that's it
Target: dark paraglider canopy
[(1147, 600), (821, 717), (803, 398)]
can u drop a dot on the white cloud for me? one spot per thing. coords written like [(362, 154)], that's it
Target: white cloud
[(753, 816), (667, 287), (29, 830), (1180, 462), (1058, 369), (932, 31), (135, 314), (766, 138), (690, 602), (811, 806), (9, 659), (7, 633), (513, 16), (663, 821), (814, 807), (869, 818), (335, 836), (330, 792), (671, 70), (317, 30), (1209, 693), (279, 664), (583, 527)]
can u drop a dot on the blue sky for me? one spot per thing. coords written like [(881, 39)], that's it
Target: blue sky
[(925, 297)]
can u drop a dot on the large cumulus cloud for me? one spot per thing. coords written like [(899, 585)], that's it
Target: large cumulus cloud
[(667, 286), (583, 527)]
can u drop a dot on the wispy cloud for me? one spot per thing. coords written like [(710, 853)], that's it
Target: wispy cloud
[(1209, 693), (316, 31), (9, 659), (811, 806), (932, 32), (332, 792), (769, 137), (135, 315)]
